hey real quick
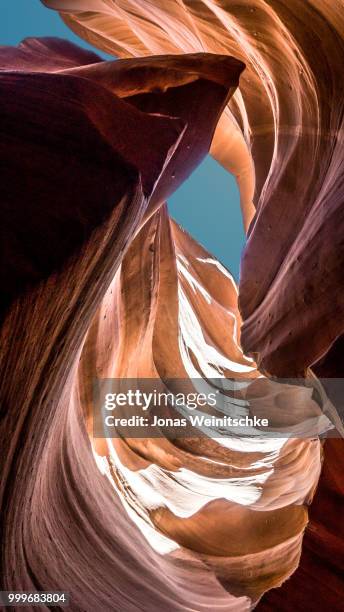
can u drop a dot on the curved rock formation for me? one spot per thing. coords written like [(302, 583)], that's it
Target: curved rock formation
[(290, 110), (102, 283)]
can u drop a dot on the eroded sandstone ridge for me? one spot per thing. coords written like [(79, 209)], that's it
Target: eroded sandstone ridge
[(98, 281)]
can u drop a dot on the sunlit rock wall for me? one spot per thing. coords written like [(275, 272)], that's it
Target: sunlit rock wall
[(98, 281)]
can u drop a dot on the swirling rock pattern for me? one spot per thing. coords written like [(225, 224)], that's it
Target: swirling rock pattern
[(290, 109), (103, 283)]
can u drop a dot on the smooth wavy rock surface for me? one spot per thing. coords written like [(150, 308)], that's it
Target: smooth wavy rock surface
[(108, 285), (100, 283), (290, 108)]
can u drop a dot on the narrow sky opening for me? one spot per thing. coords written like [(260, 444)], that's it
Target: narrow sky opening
[(207, 205)]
